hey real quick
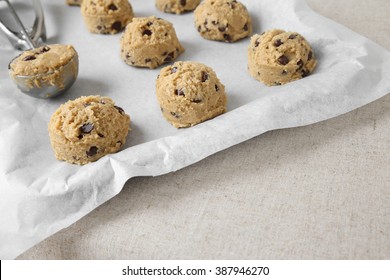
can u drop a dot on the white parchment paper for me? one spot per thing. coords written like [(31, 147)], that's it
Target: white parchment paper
[(40, 195)]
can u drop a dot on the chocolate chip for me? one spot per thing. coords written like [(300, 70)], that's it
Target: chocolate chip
[(283, 60), (222, 28), (284, 72), (80, 136), (216, 88), (183, 2), (278, 43), (147, 60), (179, 92), (86, 128), (305, 73), (45, 49), (147, 32), (292, 36), (300, 64), (173, 70), (310, 56), (29, 57), (246, 27), (227, 37), (205, 76), (149, 23), (101, 135), (169, 57), (175, 115), (120, 110), (196, 100), (117, 26), (92, 151), (231, 4), (112, 7), (257, 43), (214, 22)]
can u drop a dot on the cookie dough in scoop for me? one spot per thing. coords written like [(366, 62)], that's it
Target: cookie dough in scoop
[(45, 71)]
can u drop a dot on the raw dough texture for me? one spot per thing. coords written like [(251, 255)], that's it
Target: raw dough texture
[(74, 2), (189, 93), (149, 42), (277, 57), (45, 65), (106, 16), (176, 6), (88, 128), (223, 20)]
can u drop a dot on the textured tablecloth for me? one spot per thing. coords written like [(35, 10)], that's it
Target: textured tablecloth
[(315, 192)]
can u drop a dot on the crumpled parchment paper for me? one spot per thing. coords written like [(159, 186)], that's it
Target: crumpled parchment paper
[(40, 195)]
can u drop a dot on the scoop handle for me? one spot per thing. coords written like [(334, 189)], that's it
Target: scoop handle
[(21, 39)]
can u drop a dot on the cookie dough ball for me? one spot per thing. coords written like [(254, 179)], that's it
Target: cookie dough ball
[(44, 68), (189, 93), (223, 20), (88, 128), (176, 6), (277, 57), (106, 16), (149, 42), (74, 2)]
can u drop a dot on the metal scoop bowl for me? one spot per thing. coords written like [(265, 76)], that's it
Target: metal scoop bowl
[(41, 85)]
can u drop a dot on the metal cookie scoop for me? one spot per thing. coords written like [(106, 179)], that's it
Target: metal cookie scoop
[(53, 82)]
